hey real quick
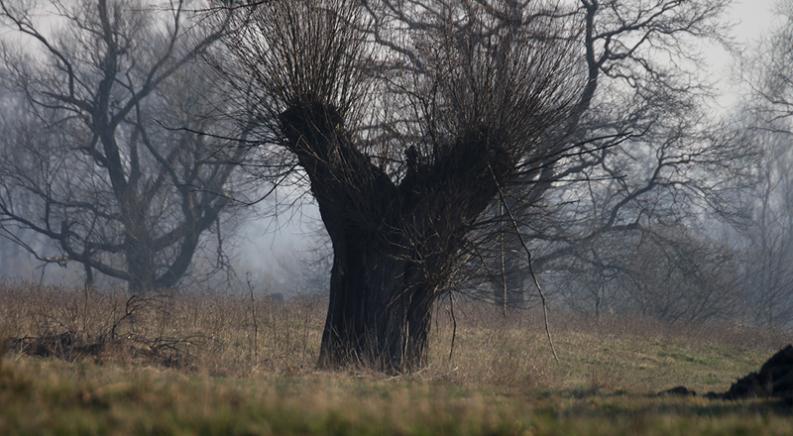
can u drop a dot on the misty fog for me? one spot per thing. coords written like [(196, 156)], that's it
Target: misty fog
[(279, 244)]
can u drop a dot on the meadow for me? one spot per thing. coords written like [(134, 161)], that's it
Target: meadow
[(88, 362)]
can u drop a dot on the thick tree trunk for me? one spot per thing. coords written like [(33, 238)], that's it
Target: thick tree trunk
[(378, 316), (380, 306), (139, 255), (140, 267), (394, 246)]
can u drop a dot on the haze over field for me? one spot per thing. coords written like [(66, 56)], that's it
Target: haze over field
[(269, 248)]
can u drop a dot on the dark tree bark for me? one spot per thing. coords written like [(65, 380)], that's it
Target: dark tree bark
[(393, 245), (376, 316)]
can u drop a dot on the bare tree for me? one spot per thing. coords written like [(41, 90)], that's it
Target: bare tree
[(768, 121), (399, 217), (676, 276), (419, 125), (767, 252), (102, 157)]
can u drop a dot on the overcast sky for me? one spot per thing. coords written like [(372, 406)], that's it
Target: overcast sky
[(752, 19)]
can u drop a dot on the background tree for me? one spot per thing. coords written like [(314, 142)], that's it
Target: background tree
[(768, 247), (670, 274), (766, 243), (101, 156), (658, 158)]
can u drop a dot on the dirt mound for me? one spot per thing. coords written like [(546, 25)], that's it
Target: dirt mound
[(774, 380), (678, 391)]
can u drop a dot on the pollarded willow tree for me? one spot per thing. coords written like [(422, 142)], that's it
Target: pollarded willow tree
[(503, 81)]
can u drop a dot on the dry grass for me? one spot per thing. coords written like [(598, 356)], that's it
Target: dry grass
[(212, 332), (248, 368)]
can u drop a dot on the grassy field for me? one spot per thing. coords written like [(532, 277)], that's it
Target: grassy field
[(223, 364)]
